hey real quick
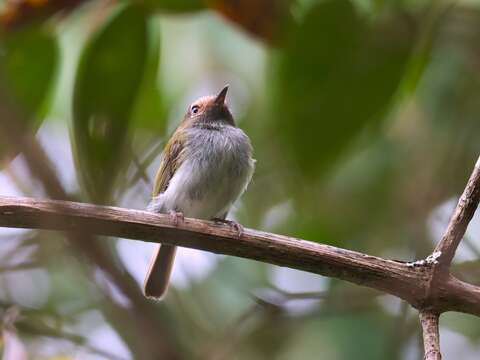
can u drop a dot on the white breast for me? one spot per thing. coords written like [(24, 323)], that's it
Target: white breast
[(217, 170)]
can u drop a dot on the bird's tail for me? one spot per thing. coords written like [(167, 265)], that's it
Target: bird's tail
[(158, 274)]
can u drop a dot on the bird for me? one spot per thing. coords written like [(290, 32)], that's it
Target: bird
[(205, 167)]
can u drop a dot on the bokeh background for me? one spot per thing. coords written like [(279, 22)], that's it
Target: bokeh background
[(365, 119)]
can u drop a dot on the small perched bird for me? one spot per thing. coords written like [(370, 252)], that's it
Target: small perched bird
[(206, 166)]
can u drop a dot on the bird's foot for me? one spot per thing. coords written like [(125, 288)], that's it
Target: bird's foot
[(233, 224), (176, 216)]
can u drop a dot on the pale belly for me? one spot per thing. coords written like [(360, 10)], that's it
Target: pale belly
[(210, 181)]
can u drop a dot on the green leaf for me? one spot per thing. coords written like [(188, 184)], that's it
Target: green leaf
[(28, 60), (107, 81), (336, 75), (149, 112), (28, 66)]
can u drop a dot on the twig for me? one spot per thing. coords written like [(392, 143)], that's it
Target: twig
[(350, 293), (20, 267), (48, 325), (459, 221), (431, 336), (142, 165)]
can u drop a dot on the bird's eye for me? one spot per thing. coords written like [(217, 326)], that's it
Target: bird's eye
[(195, 109)]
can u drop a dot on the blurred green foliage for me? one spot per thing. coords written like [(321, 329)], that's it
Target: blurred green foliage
[(148, 112), (28, 66), (27, 70), (108, 78), (364, 119), (349, 72)]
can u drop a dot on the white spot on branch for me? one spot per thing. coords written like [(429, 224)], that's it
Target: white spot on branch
[(430, 260)]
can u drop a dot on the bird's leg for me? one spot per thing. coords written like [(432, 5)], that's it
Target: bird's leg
[(233, 224), (176, 216)]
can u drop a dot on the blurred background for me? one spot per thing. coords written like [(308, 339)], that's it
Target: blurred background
[(364, 116)]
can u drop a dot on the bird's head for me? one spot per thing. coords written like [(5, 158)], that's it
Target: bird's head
[(210, 110)]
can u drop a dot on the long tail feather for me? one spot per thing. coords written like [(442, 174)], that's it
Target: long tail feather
[(158, 274)]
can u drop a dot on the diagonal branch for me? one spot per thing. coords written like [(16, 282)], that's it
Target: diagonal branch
[(466, 207), (446, 248), (440, 272), (393, 277)]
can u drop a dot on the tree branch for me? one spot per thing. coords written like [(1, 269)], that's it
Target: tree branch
[(466, 207), (446, 248), (393, 277), (431, 336)]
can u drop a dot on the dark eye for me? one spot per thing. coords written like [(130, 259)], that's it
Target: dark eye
[(195, 109)]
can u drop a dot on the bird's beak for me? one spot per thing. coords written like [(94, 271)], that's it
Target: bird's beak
[(220, 99)]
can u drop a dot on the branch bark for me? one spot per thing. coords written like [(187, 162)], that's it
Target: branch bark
[(466, 207), (431, 335), (457, 226), (393, 277)]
